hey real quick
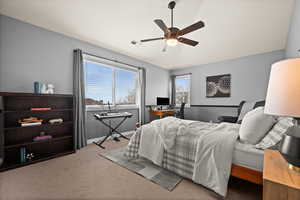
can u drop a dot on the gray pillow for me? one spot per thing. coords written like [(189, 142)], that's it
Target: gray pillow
[(274, 136), (255, 126)]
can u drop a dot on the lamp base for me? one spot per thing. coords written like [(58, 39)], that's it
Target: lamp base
[(294, 168)]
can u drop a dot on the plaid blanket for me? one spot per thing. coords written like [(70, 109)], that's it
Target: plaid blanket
[(179, 159)]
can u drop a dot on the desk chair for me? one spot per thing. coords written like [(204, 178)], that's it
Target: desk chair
[(180, 113)]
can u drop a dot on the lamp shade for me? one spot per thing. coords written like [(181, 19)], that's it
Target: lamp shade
[(283, 96)]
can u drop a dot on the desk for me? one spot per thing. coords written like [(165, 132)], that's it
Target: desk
[(123, 116), (162, 113)]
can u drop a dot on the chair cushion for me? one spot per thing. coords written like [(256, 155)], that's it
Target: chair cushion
[(247, 106), (255, 126), (274, 136)]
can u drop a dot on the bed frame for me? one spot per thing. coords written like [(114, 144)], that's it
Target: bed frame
[(247, 174)]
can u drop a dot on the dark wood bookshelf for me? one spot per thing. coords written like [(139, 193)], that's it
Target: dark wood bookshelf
[(13, 137)]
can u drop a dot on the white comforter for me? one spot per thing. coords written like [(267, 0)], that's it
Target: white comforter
[(214, 148)]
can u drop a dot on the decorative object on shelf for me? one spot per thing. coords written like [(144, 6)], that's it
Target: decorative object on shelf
[(56, 121), (30, 121), (40, 109), (23, 154), (37, 87), (283, 100), (218, 86), (42, 133), (50, 88), (43, 88), (29, 156)]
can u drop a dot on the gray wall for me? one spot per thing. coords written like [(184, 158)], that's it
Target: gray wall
[(29, 53), (293, 44), (249, 80)]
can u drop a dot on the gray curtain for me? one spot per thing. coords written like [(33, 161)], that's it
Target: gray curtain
[(78, 90), (1, 134), (173, 90), (142, 104)]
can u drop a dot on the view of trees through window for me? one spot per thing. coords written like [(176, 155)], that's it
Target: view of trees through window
[(105, 84), (182, 85)]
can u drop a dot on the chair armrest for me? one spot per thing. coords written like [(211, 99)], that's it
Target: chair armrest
[(230, 119)]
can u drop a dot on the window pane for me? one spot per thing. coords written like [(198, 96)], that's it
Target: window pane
[(98, 83), (182, 90), (125, 87)]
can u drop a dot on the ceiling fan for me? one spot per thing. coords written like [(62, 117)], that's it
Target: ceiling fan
[(173, 34)]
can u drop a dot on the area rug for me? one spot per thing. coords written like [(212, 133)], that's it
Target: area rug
[(145, 168)]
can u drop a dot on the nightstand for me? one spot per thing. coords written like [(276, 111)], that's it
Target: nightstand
[(279, 182)]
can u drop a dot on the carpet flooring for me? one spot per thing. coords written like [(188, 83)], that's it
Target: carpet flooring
[(85, 176)]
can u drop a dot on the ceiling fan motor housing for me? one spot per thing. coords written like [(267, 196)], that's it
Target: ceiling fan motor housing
[(172, 33)]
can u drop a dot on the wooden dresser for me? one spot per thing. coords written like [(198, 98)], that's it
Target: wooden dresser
[(279, 182)]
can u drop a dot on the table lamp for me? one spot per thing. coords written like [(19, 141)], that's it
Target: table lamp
[(283, 99)]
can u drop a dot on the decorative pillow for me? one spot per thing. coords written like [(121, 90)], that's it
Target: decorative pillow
[(275, 134), (255, 126)]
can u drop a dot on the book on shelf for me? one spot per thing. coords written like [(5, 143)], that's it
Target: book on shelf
[(40, 109), (42, 138), (31, 124)]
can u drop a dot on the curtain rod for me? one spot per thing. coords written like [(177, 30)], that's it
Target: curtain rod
[(182, 74), (116, 61)]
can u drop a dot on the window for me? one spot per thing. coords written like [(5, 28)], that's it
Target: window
[(182, 89), (125, 87), (105, 83)]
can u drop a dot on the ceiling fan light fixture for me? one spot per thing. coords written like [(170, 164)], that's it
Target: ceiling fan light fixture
[(172, 42)]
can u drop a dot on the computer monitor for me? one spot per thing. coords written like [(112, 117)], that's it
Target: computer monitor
[(162, 101)]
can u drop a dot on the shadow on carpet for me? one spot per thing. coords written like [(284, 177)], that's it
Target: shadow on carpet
[(145, 168)]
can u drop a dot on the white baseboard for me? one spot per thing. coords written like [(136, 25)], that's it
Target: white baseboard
[(90, 141)]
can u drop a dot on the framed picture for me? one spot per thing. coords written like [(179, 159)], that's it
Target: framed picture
[(218, 86)]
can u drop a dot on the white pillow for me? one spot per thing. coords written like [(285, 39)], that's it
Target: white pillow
[(255, 126)]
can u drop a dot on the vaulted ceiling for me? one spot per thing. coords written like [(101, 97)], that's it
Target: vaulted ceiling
[(234, 28)]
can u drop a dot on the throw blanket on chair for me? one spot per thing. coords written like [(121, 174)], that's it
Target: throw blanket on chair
[(196, 150)]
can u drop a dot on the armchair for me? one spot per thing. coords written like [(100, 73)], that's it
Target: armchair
[(242, 110)]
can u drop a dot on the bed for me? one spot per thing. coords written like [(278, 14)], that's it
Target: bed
[(247, 162)]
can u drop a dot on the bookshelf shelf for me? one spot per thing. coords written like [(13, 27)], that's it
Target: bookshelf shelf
[(42, 125), (37, 142), (33, 111), (8, 166), (13, 137)]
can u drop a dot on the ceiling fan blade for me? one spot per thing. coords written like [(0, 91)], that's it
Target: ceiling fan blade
[(191, 28), (152, 39), (188, 41), (161, 25)]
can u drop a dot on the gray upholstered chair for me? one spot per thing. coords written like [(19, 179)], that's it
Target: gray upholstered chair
[(234, 119)]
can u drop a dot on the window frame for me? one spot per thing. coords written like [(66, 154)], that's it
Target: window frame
[(113, 66), (188, 76)]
